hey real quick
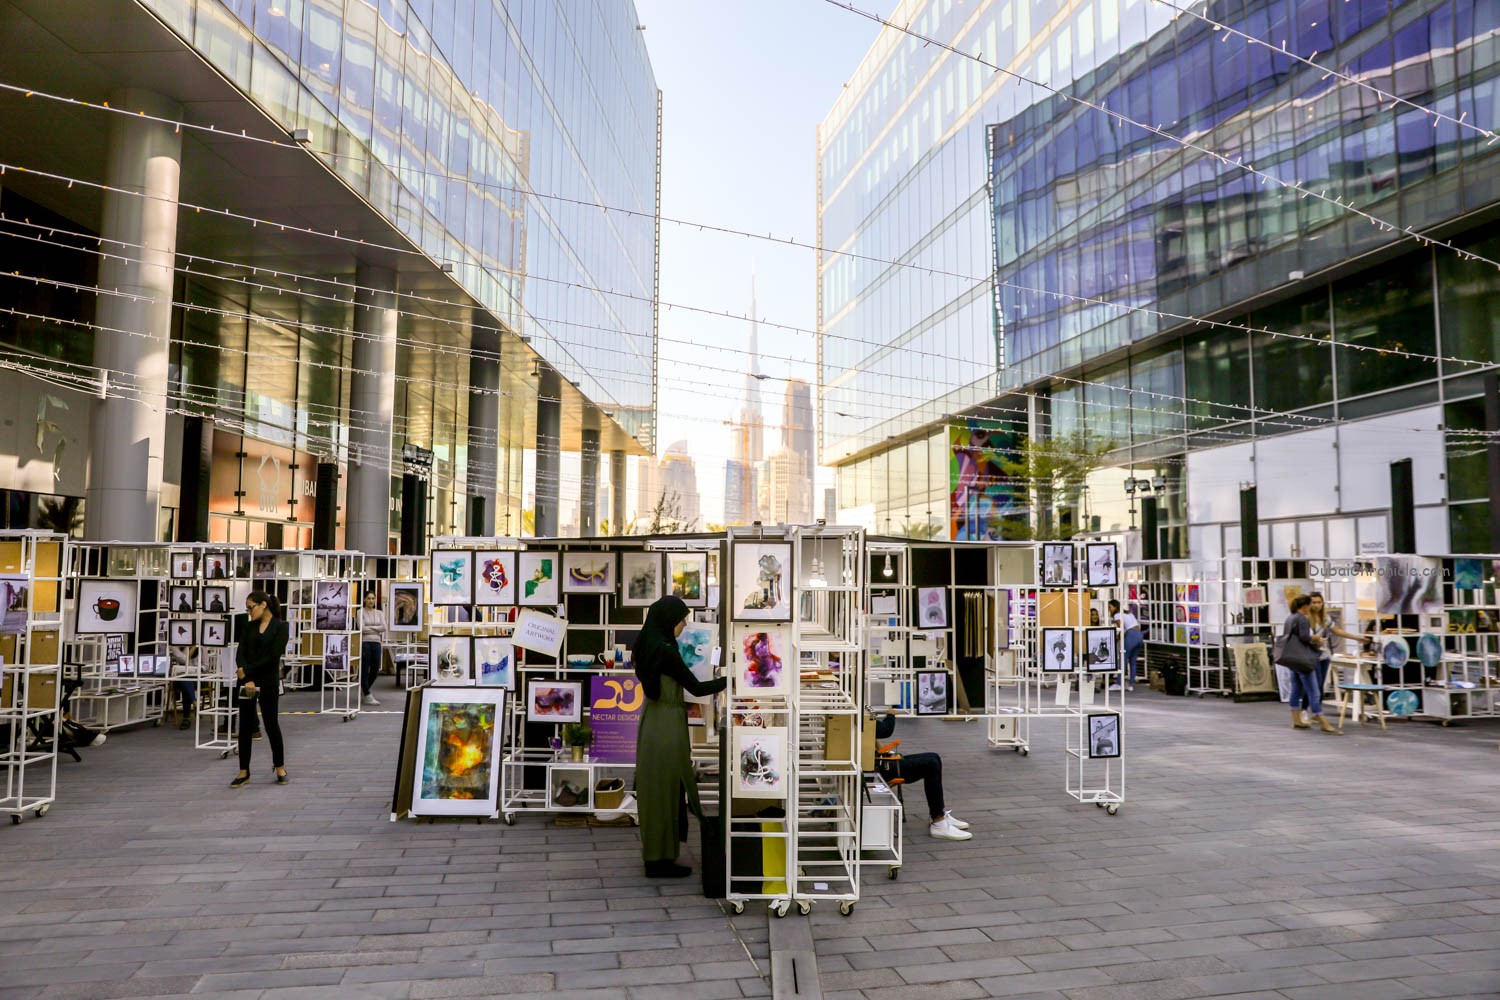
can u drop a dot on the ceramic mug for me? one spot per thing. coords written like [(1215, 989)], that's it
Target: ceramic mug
[(107, 608)]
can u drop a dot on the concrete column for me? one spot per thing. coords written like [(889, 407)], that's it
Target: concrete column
[(484, 418), (548, 453), (617, 486), (372, 410), (128, 425), (588, 479)]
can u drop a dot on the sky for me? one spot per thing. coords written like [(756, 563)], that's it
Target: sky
[(744, 87)]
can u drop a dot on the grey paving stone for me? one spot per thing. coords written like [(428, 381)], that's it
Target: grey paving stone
[(483, 986)]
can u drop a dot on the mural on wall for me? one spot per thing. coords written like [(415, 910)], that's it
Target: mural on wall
[(980, 499)]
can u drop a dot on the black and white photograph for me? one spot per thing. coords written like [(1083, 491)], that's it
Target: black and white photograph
[(184, 565), (1104, 734), (1103, 560), (1058, 652), (182, 632), (215, 633), (336, 652), (216, 565), (932, 692), (1101, 649), (215, 600), (331, 613), (1057, 565), (182, 600)]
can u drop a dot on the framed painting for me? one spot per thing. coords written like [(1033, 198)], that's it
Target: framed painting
[(1057, 568), (494, 662), (216, 565), (105, 606), (458, 738), (1101, 649), (640, 575), (1058, 652), (687, 575), (182, 632), (451, 577), (183, 565), (1104, 734), (760, 589), (215, 633), (214, 600), (932, 692), (932, 607), (760, 762), (182, 600), (1252, 668), (764, 664), (336, 652), (554, 701), (1102, 560), (537, 577), (495, 578), (450, 659), (331, 606), (406, 607), (588, 573)]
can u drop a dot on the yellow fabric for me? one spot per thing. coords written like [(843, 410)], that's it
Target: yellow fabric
[(773, 858)]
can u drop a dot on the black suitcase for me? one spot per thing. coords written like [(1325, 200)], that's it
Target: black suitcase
[(711, 846)]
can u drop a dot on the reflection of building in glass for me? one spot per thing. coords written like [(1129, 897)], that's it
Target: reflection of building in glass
[(747, 447), (674, 479), (435, 290), (933, 159)]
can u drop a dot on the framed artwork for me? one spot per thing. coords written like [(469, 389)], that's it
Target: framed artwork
[(760, 762), (406, 607), (105, 606), (263, 565), (336, 652), (1104, 734), (760, 589), (588, 573), (1058, 653), (696, 713), (554, 701), (15, 596), (537, 573), (331, 606), (216, 565), (1057, 564), (1252, 668), (452, 577), (494, 578), (1253, 597), (494, 662), (764, 664), (1103, 562), (1408, 585), (182, 632), (1101, 649), (182, 600), (1468, 574), (215, 600), (687, 574), (640, 573), (183, 565), (458, 737), (932, 692), (932, 607), (450, 660), (162, 667), (124, 666), (215, 633)]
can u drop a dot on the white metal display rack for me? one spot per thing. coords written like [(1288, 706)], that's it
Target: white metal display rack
[(312, 637), (31, 564)]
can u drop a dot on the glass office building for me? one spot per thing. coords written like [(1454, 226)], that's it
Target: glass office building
[(468, 148), (1344, 346)]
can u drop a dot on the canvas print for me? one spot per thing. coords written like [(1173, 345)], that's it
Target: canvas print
[(182, 600), (331, 606), (459, 763), (762, 586), (554, 701), (537, 573), (214, 600), (932, 692), (182, 632), (495, 578), (640, 573), (1101, 649), (183, 565), (494, 662), (1103, 561), (1468, 574), (1429, 649), (932, 607), (216, 565), (1408, 585), (215, 633), (760, 762), (1057, 565), (687, 572), (696, 644), (764, 663), (588, 573), (1058, 654), (449, 660), (336, 652), (14, 591), (105, 606), (406, 607), (1252, 668), (452, 577), (1104, 735)]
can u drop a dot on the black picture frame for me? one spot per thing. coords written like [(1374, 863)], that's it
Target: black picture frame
[(1059, 566), (1103, 736), (182, 632), (933, 694), (1058, 651), (1101, 649)]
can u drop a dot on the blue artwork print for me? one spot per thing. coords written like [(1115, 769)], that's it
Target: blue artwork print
[(1468, 574)]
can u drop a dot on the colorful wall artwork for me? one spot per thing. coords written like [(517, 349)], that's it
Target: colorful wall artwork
[(459, 735)]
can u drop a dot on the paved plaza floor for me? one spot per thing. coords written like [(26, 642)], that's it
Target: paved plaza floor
[(1249, 860)]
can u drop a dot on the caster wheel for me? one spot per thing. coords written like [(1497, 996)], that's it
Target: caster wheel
[(846, 907), (738, 906), (1015, 749), (1099, 804), (804, 907), (780, 908), (1026, 751), (1113, 808), (892, 872), (224, 755), (42, 810), (15, 819), (509, 819)]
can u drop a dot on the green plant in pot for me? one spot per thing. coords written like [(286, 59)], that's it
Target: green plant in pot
[(578, 736)]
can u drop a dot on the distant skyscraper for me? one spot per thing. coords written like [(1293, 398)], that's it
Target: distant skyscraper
[(797, 441), (741, 490), (678, 477)]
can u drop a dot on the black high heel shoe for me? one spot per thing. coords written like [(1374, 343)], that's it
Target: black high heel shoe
[(281, 778)]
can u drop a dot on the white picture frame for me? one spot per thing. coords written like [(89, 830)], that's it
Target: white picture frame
[(494, 662), (468, 722), (1058, 650), (640, 579), (494, 578), (686, 577), (761, 583), (554, 701), (106, 606), (588, 573), (331, 606), (451, 577), (537, 579), (764, 664), (450, 660), (406, 606), (1102, 564), (760, 762)]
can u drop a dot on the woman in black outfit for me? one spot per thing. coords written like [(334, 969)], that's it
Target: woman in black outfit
[(262, 644)]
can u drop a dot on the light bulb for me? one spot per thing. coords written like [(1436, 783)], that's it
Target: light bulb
[(889, 570)]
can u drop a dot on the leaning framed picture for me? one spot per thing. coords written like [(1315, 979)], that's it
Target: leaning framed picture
[(764, 664), (182, 631), (554, 701), (640, 578), (182, 600), (588, 573), (536, 577), (1104, 734), (458, 741), (1101, 649), (331, 606), (450, 659), (1102, 560), (761, 585), (495, 578), (687, 576), (1058, 652), (932, 692), (406, 607), (760, 762), (105, 607), (452, 577), (183, 565), (1057, 564)]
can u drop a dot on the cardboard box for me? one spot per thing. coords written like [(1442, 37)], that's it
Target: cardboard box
[(46, 649), (41, 690), (838, 742), (1062, 609)]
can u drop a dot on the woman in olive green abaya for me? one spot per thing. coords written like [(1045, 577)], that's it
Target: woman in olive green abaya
[(664, 785)]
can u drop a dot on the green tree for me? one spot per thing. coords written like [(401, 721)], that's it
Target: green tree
[(1051, 473)]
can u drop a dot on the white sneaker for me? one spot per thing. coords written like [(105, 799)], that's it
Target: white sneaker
[(1114, 687), (98, 740), (944, 829), (955, 820), (370, 700)]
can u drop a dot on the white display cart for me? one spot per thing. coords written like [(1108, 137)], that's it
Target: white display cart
[(31, 643)]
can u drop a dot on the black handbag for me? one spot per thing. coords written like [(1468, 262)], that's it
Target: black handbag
[(1291, 652)]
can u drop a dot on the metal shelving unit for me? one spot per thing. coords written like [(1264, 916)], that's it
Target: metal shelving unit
[(31, 645)]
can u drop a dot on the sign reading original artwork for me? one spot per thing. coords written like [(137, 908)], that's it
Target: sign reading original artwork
[(615, 705), (540, 633)]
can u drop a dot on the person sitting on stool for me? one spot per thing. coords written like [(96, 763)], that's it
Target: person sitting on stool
[(928, 769)]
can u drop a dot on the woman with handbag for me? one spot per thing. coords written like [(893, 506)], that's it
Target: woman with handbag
[(1295, 651)]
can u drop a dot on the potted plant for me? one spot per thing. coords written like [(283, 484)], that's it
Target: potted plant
[(577, 735)]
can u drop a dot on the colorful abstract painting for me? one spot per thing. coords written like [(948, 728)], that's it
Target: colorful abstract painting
[(459, 736)]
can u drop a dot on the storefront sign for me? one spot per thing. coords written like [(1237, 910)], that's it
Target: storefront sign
[(615, 705)]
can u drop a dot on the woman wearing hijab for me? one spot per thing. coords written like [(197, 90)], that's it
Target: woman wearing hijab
[(663, 771)]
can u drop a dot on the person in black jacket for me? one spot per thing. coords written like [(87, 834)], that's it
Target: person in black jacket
[(262, 643), (928, 769)]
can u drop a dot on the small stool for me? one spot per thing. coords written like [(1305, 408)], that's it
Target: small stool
[(1361, 708)]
